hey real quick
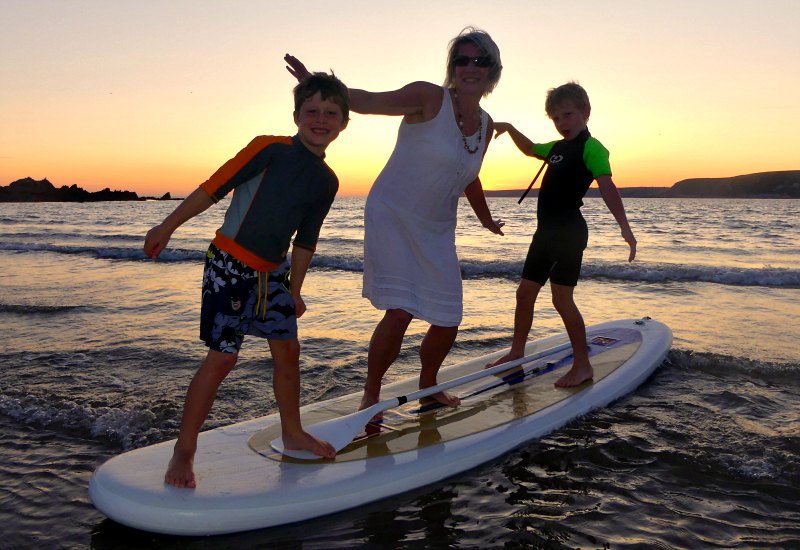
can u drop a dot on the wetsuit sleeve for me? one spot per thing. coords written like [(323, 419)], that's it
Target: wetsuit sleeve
[(541, 150), (308, 232), (244, 166), (595, 156)]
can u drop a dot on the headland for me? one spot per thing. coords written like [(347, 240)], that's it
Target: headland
[(31, 190)]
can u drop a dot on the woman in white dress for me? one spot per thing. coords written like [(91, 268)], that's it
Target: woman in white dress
[(411, 269)]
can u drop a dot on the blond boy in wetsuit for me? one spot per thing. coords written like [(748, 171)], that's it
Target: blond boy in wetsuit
[(556, 251)]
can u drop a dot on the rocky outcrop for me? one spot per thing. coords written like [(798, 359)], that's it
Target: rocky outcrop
[(31, 190)]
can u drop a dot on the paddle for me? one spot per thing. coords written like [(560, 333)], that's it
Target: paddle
[(510, 379), (340, 431), (536, 177)]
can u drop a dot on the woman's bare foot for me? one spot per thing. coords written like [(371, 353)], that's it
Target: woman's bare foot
[(506, 359), (446, 398), (367, 400), (576, 376), (307, 442), (180, 471)]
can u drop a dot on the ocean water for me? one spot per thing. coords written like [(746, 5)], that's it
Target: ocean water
[(99, 345)]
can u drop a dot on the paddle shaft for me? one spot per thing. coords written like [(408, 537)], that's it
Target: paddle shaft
[(425, 392), (536, 177), (340, 431), (511, 379)]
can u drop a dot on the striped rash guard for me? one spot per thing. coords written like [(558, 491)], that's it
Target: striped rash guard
[(280, 188)]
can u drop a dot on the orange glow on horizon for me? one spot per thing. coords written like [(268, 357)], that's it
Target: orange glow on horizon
[(104, 97)]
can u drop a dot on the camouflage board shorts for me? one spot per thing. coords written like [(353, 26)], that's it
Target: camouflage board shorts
[(239, 301)]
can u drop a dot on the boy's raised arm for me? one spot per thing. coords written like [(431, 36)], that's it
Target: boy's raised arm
[(613, 201), (523, 143), (157, 238)]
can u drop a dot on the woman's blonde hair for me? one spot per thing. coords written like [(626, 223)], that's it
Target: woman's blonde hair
[(483, 41)]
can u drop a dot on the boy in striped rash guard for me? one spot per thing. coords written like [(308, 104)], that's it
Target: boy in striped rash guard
[(282, 188)]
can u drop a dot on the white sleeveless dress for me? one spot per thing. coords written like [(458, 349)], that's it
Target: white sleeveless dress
[(410, 260)]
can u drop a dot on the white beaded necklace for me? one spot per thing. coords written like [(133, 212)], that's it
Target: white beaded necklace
[(461, 125)]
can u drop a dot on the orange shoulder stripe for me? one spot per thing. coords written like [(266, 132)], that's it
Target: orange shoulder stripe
[(230, 168)]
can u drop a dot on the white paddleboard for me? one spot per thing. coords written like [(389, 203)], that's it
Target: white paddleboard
[(242, 484)]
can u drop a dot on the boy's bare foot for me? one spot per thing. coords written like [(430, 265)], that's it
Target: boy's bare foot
[(180, 472), (576, 376), (307, 442)]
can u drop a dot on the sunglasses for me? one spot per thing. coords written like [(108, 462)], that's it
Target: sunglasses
[(481, 61)]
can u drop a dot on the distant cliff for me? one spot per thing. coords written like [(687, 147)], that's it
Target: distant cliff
[(770, 185), (784, 184), (31, 190)]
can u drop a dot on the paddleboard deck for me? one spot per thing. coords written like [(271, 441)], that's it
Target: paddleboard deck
[(484, 405), (243, 484)]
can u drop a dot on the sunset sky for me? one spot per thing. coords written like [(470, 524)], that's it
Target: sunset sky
[(152, 96)]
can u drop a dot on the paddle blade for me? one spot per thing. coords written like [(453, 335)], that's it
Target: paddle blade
[(339, 432)]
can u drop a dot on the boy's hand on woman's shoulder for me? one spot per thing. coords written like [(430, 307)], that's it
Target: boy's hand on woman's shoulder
[(501, 128)]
